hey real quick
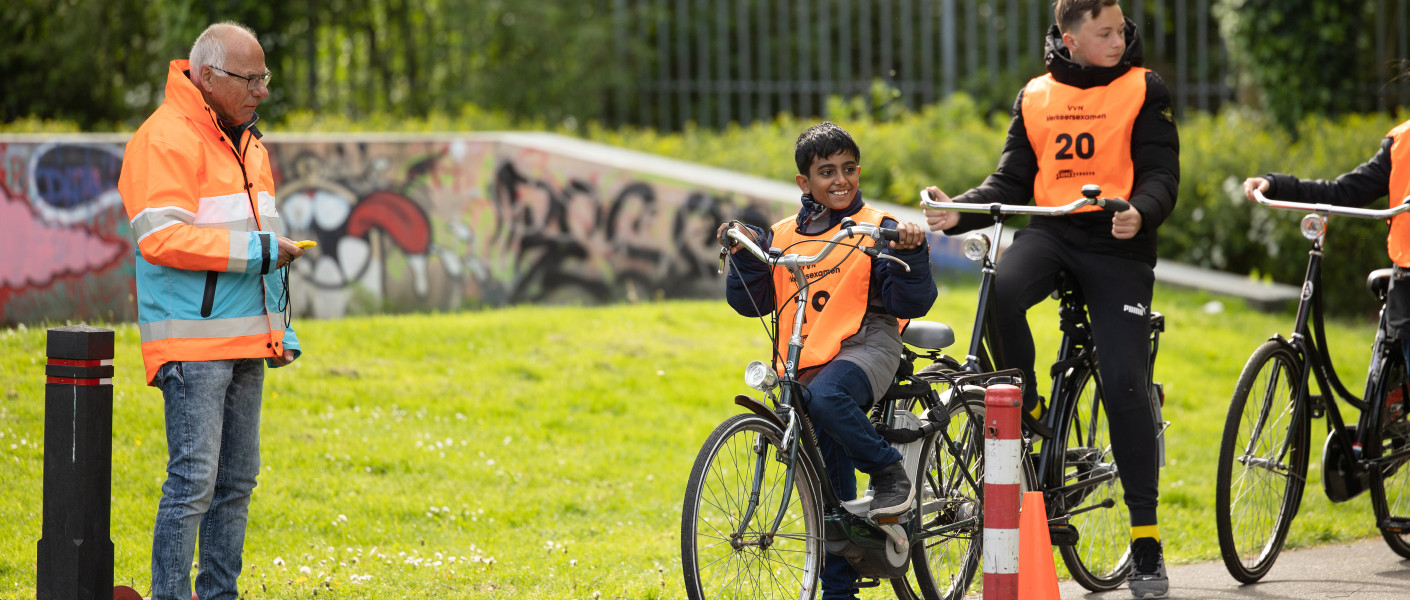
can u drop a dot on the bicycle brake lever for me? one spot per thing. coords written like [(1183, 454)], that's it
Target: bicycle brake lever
[(875, 253), (723, 253)]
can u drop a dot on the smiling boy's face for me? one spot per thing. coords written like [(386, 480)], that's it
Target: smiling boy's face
[(832, 180)]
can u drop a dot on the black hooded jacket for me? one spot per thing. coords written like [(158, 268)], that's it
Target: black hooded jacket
[(1155, 154)]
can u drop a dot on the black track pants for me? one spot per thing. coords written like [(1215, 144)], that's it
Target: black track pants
[(1118, 295)]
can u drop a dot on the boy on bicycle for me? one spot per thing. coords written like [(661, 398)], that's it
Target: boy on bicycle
[(1386, 173), (1096, 117), (852, 327)]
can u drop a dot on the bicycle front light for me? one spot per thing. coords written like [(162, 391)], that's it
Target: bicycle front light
[(760, 376), (1313, 226), (976, 246)]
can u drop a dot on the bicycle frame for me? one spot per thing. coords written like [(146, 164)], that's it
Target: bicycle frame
[(797, 423), (1309, 337)]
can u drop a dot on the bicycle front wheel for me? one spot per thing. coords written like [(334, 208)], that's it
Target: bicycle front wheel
[(1087, 468), (950, 501), (1262, 462), (1387, 443), (736, 491)]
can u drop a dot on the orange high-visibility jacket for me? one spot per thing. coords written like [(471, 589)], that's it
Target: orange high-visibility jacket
[(838, 289), (1398, 241), (1082, 136), (204, 220)]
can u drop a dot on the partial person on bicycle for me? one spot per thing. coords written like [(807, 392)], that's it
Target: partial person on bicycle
[(1385, 174), (853, 323), (1096, 117)]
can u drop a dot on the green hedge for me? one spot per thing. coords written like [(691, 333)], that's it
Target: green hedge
[(955, 144)]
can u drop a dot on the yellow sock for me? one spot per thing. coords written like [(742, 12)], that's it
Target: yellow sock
[(1150, 531)]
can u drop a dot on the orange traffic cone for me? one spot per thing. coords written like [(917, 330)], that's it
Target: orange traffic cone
[(1037, 575)]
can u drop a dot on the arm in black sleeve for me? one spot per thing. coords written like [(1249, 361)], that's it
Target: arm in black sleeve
[(749, 283), (1155, 156), (1011, 182), (1363, 185), (905, 295)]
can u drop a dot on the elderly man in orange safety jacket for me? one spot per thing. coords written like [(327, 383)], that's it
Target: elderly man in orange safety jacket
[(197, 185)]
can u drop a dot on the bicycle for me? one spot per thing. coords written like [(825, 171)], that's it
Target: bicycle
[(759, 511), (1267, 439), (1074, 466)]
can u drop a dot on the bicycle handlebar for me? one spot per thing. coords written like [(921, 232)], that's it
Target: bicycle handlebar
[(775, 257), (1332, 209), (1109, 204)]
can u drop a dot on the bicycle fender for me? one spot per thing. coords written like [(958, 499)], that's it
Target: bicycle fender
[(758, 408)]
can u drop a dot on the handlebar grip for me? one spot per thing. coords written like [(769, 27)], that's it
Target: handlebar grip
[(1114, 205), (888, 234)]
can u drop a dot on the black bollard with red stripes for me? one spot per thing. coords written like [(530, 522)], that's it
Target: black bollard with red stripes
[(75, 547)]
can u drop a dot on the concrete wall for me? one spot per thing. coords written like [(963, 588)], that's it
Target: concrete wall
[(403, 223)]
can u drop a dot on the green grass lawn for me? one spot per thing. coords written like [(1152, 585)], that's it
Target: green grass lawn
[(542, 452)]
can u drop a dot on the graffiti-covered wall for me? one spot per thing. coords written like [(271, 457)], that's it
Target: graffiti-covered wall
[(403, 223)]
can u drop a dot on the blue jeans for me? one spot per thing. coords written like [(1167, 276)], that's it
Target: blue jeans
[(837, 398), (212, 433)]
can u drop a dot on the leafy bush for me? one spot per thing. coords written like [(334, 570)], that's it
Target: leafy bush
[(1215, 226), (1301, 57)]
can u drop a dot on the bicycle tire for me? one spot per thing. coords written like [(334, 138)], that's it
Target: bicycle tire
[(944, 566), (715, 563), (1390, 483), (1100, 560), (1263, 435)]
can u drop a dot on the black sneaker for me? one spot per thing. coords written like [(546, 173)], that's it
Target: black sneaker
[(892, 492), (1147, 578)]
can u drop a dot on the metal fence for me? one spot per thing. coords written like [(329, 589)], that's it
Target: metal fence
[(714, 62)]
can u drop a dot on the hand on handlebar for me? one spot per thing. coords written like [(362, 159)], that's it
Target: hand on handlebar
[(1255, 183), (912, 235), (730, 242), (1125, 224), (940, 220)]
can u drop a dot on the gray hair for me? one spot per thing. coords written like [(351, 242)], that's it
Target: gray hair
[(209, 48)]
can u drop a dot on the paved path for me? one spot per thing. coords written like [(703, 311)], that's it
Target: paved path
[(1365, 570)]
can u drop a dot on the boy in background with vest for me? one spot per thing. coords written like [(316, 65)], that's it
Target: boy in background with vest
[(852, 327), (1096, 117)]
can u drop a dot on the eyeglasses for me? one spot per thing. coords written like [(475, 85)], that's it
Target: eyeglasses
[(252, 81)]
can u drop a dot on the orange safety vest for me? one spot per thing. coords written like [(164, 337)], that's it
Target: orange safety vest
[(1398, 241), (1082, 136), (838, 288), (203, 216)]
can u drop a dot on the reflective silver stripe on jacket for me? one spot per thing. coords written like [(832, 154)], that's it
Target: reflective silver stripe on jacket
[(209, 328), (152, 220)]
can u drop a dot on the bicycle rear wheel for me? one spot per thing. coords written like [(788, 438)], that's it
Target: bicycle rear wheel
[(726, 549), (1390, 481), (1098, 561), (950, 502), (1262, 462)]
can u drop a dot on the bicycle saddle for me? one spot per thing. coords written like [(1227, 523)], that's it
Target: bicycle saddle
[(1378, 281), (929, 335)]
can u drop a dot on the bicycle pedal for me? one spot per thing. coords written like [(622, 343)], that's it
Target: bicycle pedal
[(868, 583), (1063, 534), (1399, 525)]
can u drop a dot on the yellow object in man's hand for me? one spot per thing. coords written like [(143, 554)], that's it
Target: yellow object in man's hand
[(306, 244)]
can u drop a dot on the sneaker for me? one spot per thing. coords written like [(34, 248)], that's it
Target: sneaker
[(1147, 578), (892, 492)]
